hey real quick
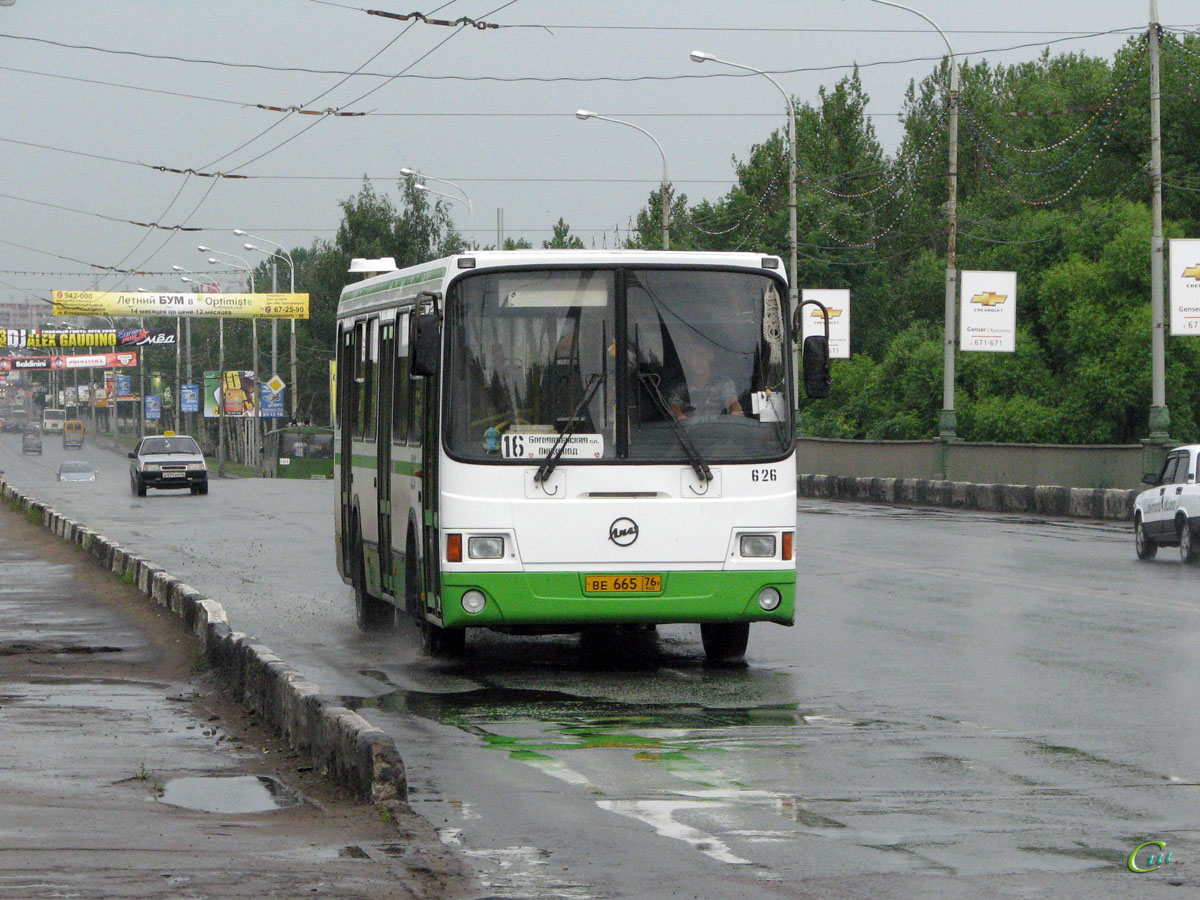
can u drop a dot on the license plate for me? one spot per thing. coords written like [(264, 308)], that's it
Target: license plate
[(174, 474), (622, 584)]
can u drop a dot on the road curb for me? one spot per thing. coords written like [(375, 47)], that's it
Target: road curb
[(1042, 499), (341, 744)]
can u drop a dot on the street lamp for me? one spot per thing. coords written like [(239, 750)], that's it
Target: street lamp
[(245, 266), (700, 56), (948, 421), (583, 114), (425, 189), (292, 322), (413, 173)]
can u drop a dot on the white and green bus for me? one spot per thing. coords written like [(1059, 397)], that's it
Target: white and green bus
[(542, 441)]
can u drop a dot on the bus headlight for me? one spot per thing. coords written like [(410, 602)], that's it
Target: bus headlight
[(768, 598), (759, 545), (473, 601), (485, 547)]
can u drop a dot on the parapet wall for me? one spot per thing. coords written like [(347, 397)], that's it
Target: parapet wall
[(1047, 500)]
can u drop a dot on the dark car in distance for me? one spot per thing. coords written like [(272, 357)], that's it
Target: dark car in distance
[(31, 439)]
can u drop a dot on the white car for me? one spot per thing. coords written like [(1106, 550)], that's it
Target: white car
[(1169, 513), (170, 462)]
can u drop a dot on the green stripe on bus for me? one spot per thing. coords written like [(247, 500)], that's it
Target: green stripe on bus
[(399, 466), (557, 598), (393, 284)]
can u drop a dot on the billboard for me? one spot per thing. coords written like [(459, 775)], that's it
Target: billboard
[(230, 306), (237, 389), (837, 303), (989, 312), (67, 338), (119, 360), (1183, 264), (189, 395)]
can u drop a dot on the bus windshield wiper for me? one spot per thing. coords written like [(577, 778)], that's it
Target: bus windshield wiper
[(546, 469), (703, 472)]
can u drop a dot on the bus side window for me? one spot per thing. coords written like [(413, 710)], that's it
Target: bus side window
[(400, 392), (416, 410), (371, 388), (345, 379), (360, 377), (386, 378)]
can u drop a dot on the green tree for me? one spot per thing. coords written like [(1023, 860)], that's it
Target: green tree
[(563, 239)]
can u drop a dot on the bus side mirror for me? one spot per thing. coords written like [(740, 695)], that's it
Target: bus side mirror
[(816, 367), (425, 344)]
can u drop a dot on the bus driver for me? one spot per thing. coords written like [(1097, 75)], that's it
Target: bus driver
[(706, 391)]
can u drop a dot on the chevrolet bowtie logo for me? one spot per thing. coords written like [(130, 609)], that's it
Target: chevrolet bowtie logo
[(989, 298), (833, 313), (1192, 272)]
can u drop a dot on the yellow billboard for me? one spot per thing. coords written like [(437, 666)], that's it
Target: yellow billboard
[(147, 303)]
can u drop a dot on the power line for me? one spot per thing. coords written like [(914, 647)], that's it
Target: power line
[(550, 79)]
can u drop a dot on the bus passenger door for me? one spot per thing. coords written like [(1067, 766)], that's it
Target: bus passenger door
[(383, 468), (425, 408)]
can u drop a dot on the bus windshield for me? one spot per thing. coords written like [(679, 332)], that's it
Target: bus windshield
[(533, 357)]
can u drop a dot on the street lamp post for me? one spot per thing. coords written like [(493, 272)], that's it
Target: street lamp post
[(254, 439), (947, 424), (700, 56), (292, 270), (425, 189), (187, 353), (220, 375), (413, 173), (583, 114)]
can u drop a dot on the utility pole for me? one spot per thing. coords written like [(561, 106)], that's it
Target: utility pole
[(1160, 418)]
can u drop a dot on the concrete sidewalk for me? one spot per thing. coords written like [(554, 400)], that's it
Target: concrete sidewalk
[(125, 772)]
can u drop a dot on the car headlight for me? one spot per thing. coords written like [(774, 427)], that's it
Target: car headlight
[(489, 546), (757, 545)]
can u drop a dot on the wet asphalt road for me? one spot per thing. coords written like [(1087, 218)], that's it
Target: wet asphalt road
[(969, 706)]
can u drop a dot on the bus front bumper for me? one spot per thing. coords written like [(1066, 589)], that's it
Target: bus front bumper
[(559, 598)]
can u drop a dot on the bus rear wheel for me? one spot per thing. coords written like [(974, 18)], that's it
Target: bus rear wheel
[(725, 641), (371, 613)]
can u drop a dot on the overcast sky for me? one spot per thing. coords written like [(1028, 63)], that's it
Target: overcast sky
[(97, 94)]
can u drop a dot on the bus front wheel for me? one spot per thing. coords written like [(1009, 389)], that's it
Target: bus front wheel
[(438, 641), (725, 641)]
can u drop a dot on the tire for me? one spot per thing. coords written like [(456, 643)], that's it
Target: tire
[(136, 486), (444, 642), (1189, 549), (725, 641), (201, 488), (371, 613), (1146, 548)]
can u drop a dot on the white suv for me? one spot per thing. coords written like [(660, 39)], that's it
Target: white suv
[(1169, 512)]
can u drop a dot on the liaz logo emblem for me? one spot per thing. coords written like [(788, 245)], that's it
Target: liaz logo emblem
[(989, 298), (623, 531), (1149, 860)]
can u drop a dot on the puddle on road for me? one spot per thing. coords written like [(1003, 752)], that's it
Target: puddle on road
[(229, 795)]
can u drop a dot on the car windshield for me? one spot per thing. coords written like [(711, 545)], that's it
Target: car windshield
[(75, 468), (637, 364), (162, 445)]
